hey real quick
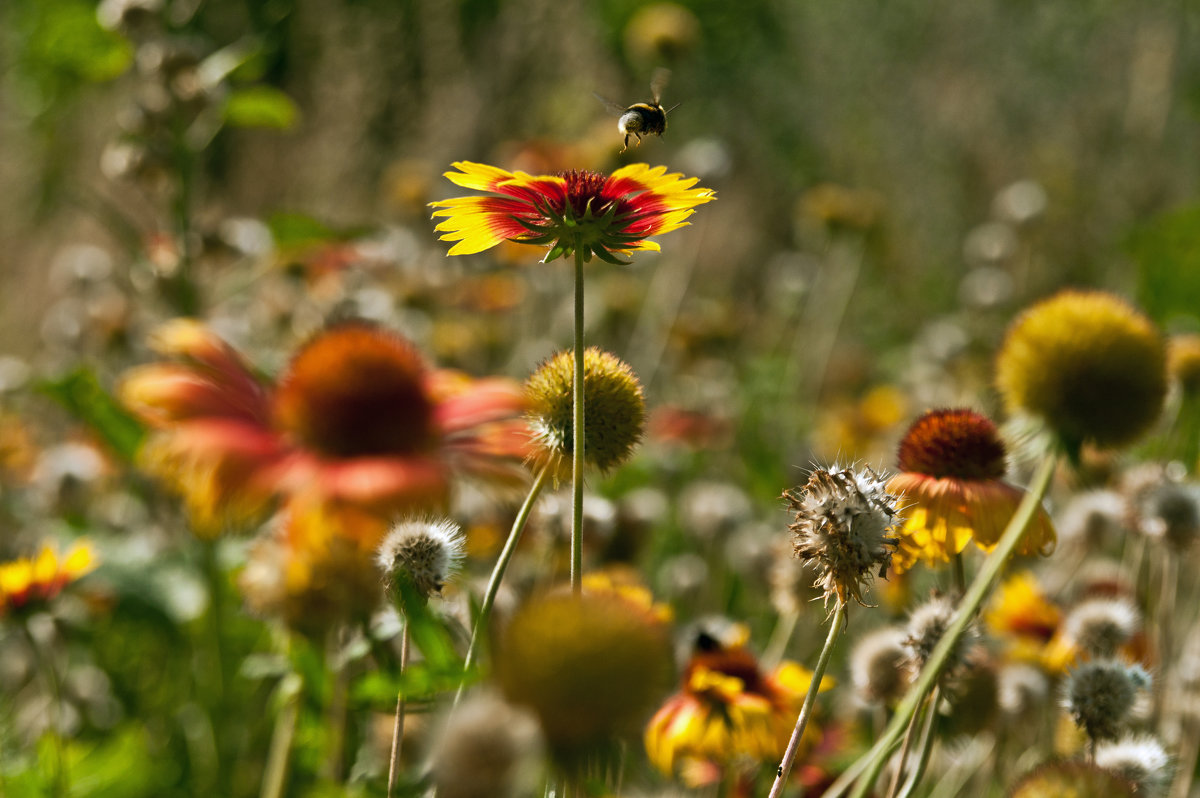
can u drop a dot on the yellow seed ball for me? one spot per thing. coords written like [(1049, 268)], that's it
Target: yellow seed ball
[(614, 411), (1183, 362), (1086, 363), (590, 667)]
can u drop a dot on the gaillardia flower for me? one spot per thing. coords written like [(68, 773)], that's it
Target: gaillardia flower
[(729, 713), (356, 417), (576, 211), (28, 582), (952, 464), (1087, 364), (616, 411)]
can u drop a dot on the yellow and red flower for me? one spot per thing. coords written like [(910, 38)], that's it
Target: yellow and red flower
[(951, 473), (356, 418), (29, 582), (729, 713), (575, 211)]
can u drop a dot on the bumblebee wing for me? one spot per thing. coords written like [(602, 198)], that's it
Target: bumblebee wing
[(658, 83), (613, 108)]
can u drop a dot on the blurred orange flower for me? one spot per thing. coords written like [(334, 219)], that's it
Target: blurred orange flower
[(28, 582), (356, 418)]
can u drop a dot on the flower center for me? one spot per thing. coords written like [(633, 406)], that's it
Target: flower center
[(356, 391), (584, 186), (953, 443)]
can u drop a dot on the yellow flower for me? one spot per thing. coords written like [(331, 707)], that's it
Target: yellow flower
[(727, 711), (951, 469), (575, 211), (1029, 624), (27, 582)]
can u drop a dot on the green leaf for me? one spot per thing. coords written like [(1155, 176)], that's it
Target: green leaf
[(297, 230), (425, 630), (64, 39), (81, 394), (261, 106)]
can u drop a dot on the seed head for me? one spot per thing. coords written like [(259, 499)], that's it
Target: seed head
[(926, 625), (1100, 626), (1139, 759), (427, 552), (614, 411), (1087, 364), (488, 749), (1100, 695), (1183, 363), (844, 520), (879, 666)]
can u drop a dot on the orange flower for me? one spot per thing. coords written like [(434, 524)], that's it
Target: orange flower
[(356, 418), (1028, 624), (727, 712), (594, 214), (29, 582), (952, 465)]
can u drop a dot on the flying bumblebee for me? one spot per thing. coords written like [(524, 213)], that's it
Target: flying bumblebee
[(643, 119)]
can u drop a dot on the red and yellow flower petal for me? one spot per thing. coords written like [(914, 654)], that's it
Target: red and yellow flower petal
[(382, 485), (162, 393), (480, 223)]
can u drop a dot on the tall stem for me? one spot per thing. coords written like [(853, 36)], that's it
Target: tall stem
[(276, 771), (398, 725), (577, 430), (967, 609), (789, 756), (510, 546)]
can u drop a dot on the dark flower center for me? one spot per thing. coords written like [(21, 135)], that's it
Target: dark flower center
[(953, 443), (356, 391)]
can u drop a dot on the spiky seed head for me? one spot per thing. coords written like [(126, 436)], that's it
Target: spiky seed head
[(1086, 363), (1021, 688), (1100, 695), (1141, 760), (1102, 625), (926, 626), (425, 551), (844, 528), (614, 411)]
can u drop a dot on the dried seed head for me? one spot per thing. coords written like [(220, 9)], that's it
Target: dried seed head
[(427, 552), (1021, 689), (1139, 759), (1100, 626), (1169, 512), (926, 625), (1100, 695), (844, 528), (879, 666)]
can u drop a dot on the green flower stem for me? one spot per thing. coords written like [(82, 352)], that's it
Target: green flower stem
[(510, 546), (577, 435), (44, 662), (398, 725), (789, 756), (909, 735), (276, 771), (967, 610), (926, 749)]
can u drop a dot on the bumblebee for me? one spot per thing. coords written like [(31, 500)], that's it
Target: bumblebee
[(643, 119)]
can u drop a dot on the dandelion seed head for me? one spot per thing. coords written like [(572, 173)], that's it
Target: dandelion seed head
[(879, 665), (1139, 759), (1100, 696), (1102, 625), (427, 552)]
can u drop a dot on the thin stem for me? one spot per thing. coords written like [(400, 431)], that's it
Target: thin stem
[(276, 771), (577, 436), (398, 726), (909, 735), (967, 609), (789, 756), (960, 574), (510, 546), (785, 627), (926, 745)]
